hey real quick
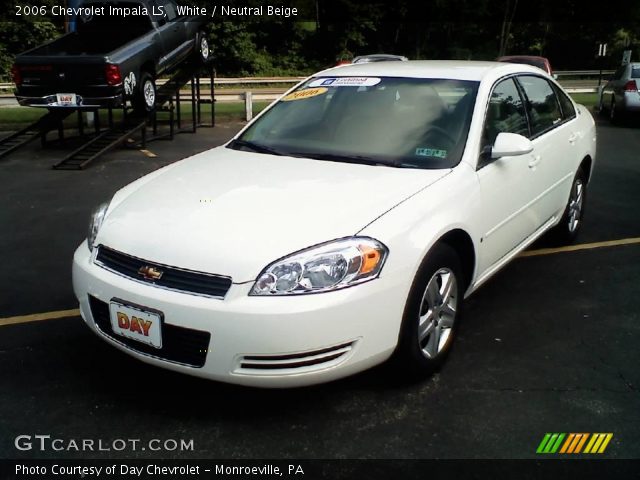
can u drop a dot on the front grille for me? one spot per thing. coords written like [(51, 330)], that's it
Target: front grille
[(172, 278), (179, 344), (295, 362)]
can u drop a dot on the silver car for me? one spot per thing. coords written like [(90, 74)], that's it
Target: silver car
[(620, 95)]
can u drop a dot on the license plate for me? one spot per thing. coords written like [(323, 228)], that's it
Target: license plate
[(136, 323), (63, 99)]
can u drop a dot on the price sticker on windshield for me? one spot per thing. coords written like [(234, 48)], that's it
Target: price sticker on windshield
[(345, 82), (306, 93)]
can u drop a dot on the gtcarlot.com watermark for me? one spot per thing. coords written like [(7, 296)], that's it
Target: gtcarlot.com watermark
[(47, 443)]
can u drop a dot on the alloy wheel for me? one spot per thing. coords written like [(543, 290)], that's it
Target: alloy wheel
[(438, 311), (575, 205)]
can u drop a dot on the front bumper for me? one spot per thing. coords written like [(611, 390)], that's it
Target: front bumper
[(258, 341)]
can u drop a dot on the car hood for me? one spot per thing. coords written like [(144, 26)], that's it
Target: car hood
[(232, 213)]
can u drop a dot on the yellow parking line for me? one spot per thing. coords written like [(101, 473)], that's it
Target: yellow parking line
[(149, 153), (583, 246), (37, 317)]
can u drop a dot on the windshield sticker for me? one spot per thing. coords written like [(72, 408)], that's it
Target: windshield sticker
[(306, 93), (346, 82), (431, 152)]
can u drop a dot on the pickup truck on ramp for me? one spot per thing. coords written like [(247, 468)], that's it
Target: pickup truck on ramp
[(111, 57)]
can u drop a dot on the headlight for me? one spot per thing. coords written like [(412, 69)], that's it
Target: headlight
[(333, 265), (97, 216)]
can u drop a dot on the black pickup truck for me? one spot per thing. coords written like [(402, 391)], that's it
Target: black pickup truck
[(110, 57)]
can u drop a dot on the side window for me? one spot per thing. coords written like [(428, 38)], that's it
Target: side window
[(542, 104), (568, 110), (505, 113), (170, 10)]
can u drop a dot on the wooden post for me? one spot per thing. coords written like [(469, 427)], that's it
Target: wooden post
[(248, 105)]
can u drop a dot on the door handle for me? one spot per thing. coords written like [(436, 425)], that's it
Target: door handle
[(572, 138), (534, 160)]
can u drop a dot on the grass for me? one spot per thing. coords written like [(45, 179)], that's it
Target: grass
[(586, 99), (14, 118)]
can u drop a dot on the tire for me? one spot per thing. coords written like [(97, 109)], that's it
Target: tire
[(601, 108), (202, 48), (145, 100), (571, 222), (431, 315), (614, 116)]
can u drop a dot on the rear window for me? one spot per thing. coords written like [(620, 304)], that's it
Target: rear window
[(635, 72)]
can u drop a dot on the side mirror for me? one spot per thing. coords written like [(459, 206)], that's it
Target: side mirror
[(510, 145)]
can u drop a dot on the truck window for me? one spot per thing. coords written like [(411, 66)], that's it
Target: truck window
[(170, 10)]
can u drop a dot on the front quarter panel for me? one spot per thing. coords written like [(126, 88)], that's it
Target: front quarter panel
[(414, 226)]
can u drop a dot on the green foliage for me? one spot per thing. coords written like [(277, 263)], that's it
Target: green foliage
[(328, 30), (21, 33)]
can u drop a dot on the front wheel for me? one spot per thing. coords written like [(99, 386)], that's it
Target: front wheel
[(202, 48), (431, 314), (571, 222)]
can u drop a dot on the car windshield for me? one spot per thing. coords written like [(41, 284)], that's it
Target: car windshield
[(399, 122)]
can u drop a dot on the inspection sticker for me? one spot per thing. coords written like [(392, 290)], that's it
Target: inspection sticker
[(346, 82), (306, 93), (431, 152)]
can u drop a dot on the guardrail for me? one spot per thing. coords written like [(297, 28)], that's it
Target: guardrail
[(583, 73), (248, 96), (293, 80)]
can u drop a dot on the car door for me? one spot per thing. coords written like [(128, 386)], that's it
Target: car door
[(173, 36), (554, 138), (507, 183)]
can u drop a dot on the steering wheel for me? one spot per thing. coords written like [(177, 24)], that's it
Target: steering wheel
[(434, 129)]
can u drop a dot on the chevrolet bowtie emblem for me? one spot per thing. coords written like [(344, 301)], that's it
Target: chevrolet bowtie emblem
[(150, 273)]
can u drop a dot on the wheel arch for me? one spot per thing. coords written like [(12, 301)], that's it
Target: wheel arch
[(148, 67), (460, 241), (586, 165)]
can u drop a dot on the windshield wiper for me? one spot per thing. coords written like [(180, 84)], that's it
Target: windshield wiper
[(335, 157), (256, 147)]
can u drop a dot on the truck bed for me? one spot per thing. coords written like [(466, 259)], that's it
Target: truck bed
[(99, 37)]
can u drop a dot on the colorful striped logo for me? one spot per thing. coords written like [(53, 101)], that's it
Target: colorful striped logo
[(574, 442)]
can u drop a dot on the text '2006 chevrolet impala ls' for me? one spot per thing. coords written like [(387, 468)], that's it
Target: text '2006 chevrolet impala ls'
[(342, 227)]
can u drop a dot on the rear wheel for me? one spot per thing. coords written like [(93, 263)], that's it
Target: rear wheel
[(601, 107), (431, 314), (567, 230), (145, 101), (614, 116)]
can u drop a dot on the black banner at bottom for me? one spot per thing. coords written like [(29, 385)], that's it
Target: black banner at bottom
[(547, 469)]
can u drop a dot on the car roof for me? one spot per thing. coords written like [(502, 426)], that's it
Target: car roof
[(379, 57), (449, 69), (524, 57)]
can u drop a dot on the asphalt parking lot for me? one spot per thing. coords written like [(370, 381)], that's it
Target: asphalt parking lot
[(550, 344)]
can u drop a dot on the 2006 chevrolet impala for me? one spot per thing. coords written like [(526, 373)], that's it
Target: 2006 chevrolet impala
[(343, 226)]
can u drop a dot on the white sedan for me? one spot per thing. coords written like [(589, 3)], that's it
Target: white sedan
[(343, 227)]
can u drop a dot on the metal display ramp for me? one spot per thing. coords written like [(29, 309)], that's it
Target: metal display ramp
[(168, 99)]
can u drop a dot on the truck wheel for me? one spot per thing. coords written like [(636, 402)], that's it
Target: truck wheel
[(146, 98), (202, 49)]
